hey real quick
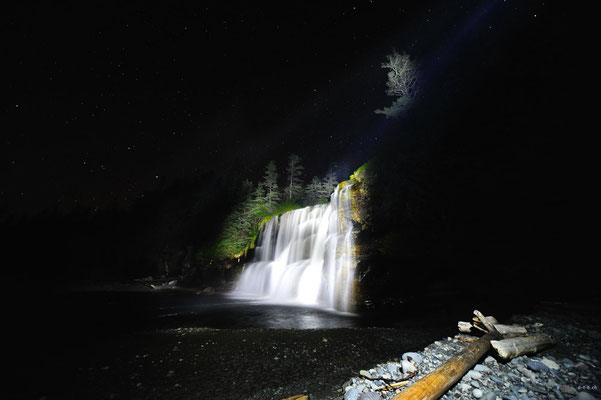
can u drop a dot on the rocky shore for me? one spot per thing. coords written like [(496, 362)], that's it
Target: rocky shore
[(569, 370)]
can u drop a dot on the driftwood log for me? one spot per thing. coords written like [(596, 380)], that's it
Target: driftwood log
[(513, 347), (437, 382), (505, 330)]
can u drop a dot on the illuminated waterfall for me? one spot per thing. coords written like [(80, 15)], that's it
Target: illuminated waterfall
[(305, 257)]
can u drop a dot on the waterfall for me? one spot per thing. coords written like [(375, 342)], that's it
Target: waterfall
[(305, 257)]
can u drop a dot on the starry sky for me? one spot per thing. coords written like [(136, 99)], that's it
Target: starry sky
[(107, 102)]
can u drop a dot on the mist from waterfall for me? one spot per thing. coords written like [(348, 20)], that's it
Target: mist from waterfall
[(305, 257)]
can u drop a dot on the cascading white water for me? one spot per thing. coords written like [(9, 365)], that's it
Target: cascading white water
[(305, 257)]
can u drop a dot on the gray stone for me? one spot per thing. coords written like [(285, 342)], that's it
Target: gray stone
[(567, 362), (490, 360), (497, 380), (464, 387), (365, 374), (370, 396), (408, 367), (360, 388), (392, 367), (477, 393), (414, 357), (568, 390), (489, 395), (482, 368), (473, 374), (351, 394), (584, 396), (550, 363), (537, 366)]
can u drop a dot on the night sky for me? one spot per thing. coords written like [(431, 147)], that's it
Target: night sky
[(106, 103)]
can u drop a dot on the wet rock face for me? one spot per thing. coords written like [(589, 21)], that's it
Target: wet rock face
[(567, 371)]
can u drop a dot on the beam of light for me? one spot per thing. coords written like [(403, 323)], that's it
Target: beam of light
[(444, 54)]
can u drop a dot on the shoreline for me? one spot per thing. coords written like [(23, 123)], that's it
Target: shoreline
[(567, 370)]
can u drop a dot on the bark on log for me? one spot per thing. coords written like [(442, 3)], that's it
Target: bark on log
[(462, 337), (511, 348), (437, 382), (511, 330), (490, 319)]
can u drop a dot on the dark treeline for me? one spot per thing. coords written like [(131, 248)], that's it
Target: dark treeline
[(157, 230), (176, 230)]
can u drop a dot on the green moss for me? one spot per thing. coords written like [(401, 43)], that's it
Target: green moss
[(360, 173)]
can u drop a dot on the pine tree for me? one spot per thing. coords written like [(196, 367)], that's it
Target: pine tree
[(270, 182), (329, 182), (294, 183), (313, 192)]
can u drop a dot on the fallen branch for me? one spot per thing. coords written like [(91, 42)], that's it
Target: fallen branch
[(392, 386), (505, 330), (437, 382), (511, 348)]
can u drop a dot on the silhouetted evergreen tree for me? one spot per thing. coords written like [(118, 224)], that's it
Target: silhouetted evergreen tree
[(294, 183)]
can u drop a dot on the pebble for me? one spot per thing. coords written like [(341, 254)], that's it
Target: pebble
[(408, 367), (414, 357), (537, 366), (567, 362), (370, 396), (392, 368), (482, 368), (490, 360), (464, 387), (490, 395), (477, 393), (351, 394), (473, 374), (550, 363), (365, 374), (568, 390), (584, 396)]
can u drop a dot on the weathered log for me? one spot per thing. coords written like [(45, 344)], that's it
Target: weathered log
[(437, 382), (462, 337), (490, 319), (511, 348), (511, 330), (464, 327), (484, 320)]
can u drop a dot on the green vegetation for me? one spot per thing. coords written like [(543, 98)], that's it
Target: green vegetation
[(262, 201)]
